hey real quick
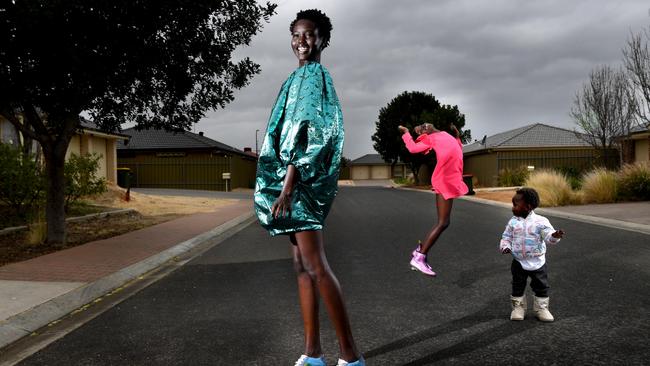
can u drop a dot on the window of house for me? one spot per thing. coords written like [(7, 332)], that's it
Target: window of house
[(8, 134)]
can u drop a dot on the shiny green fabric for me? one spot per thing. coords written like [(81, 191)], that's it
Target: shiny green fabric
[(305, 129)]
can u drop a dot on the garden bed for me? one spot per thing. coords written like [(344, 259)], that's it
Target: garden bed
[(148, 210)]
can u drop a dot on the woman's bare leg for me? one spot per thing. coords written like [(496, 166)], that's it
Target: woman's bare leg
[(308, 297), (443, 207), (310, 248)]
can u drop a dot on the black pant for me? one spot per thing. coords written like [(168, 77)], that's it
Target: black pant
[(538, 280)]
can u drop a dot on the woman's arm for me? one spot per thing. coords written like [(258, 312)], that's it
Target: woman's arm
[(282, 205), (412, 146)]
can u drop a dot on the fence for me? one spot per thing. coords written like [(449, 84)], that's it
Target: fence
[(577, 160), (202, 174)]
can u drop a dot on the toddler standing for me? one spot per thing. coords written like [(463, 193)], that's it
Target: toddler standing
[(526, 237)]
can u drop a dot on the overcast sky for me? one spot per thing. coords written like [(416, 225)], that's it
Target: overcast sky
[(505, 63)]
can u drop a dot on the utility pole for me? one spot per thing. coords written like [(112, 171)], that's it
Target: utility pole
[(256, 150)]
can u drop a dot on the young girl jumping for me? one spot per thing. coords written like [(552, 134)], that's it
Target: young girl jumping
[(446, 181)]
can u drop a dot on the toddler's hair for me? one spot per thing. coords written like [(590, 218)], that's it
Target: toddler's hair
[(321, 21), (530, 196)]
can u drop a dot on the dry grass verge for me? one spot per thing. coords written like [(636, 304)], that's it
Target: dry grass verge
[(151, 210), (500, 196)]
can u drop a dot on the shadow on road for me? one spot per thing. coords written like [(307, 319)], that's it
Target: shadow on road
[(469, 344)]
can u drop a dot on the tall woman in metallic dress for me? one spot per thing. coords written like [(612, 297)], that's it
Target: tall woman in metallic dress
[(296, 182)]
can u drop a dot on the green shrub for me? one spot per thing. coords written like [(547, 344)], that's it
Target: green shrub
[(553, 187), (599, 186), (81, 178), (512, 177), (402, 180), (21, 180), (634, 181)]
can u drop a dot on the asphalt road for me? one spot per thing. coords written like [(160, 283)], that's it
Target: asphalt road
[(237, 303)]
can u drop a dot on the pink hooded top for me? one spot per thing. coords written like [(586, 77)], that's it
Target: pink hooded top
[(447, 177)]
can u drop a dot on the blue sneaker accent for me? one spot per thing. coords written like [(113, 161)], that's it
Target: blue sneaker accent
[(304, 360), (359, 362)]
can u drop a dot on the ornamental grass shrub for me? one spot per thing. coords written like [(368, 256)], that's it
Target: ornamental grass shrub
[(577, 198), (599, 186), (553, 187), (512, 177), (634, 182)]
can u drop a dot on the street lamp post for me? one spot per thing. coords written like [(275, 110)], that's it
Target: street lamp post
[(256, 150)]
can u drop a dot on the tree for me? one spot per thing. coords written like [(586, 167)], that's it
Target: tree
[(345, 162), (604, 109), (411, 109), (636, 58), (156, 63)]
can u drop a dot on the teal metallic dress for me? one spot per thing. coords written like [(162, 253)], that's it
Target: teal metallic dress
[(305, 129)]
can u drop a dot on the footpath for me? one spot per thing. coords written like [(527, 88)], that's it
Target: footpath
[(632, 216), (39, 291)]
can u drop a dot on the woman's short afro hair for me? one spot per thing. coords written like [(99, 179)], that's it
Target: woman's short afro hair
[(323, 23), (529, 196)]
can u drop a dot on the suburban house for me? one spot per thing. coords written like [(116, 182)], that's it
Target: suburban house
[(536, 146), (184, 160), (636, 145), (372, 166), (89, 139)]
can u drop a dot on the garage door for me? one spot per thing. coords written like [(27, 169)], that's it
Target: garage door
[(380, 172), (360, 172)]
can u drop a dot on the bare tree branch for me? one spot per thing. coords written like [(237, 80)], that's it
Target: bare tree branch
[(636, 59), (605, 108)]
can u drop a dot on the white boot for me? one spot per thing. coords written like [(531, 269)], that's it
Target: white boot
[(540, 307), (518, 307)]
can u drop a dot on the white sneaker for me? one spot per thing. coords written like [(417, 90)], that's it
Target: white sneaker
[(305, 360), (359, 362)]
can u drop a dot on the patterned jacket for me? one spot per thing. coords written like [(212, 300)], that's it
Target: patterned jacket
[(527, 239)]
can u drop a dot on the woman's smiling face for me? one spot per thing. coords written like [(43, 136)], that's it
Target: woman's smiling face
[(305, 41)]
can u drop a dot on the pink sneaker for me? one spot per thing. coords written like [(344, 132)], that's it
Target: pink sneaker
[(416, 250), (419, 263)]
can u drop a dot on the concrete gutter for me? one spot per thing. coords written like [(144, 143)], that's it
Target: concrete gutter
[(616, 224)]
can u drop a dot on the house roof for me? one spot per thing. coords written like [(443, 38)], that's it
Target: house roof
[(370, 159), (163, 140), (639, 129), (535, 135), (92, 126)]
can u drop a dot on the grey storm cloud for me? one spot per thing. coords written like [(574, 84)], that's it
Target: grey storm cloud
[(504, 63)]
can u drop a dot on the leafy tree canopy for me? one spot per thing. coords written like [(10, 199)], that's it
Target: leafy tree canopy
[(411, 109), (155, 63), (158, 63)]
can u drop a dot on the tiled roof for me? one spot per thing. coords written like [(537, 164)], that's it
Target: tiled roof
[(370, 159), (161, 140), (91, 125), (639, 128), (535, 135)]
